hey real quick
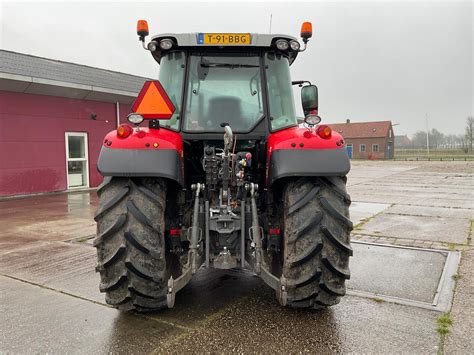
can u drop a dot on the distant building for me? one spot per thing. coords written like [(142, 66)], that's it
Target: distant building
[(53, 119), (402, 142), (367, 140)]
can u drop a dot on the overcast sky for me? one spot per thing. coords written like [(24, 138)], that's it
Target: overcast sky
[(371, 60)]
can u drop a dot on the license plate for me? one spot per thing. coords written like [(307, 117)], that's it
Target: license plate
[(224, 38)]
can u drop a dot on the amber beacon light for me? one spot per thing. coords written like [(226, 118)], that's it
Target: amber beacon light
[(142, 28), (306, 31)]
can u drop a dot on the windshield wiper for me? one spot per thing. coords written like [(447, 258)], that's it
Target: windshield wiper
[(228, 65)]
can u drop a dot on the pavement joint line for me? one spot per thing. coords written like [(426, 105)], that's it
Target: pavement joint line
[(95, 302), (401, 246), (210, 318), (470, 232), (400, 241), (368, 219), (386, 176), (415, 205), (396, 241), (52, 193), (163, 321), (411, 183), (421, 186), (420, 215), (84, 241), (55, 290), (392, 299), (31, 245)]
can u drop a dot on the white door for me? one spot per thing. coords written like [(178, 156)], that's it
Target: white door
[(77, 160)]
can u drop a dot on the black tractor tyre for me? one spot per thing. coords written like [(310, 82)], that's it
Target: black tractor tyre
[(316, 246), (130, 243)]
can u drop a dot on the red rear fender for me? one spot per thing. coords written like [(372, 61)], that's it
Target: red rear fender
[(145, 138), (296, 152), (301, 138)]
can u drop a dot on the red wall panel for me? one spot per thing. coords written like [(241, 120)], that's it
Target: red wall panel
[(32, 139)]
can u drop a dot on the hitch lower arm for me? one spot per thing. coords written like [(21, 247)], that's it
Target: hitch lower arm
[(279, 285), (194, 259)]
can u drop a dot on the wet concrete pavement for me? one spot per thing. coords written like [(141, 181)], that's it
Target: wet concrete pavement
[(49, 299)]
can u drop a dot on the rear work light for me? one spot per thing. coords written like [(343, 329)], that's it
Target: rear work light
[(294, 45), (166, 44), (282, 45), (124, 130), (324, 131), (135, 118)]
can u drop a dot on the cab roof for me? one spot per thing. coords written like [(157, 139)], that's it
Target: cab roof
[(189, 41)]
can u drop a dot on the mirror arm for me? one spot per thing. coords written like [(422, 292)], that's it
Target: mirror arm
[(300, 82), (305, 44), (143, 43)]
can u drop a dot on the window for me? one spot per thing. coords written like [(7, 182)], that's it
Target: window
[(362, 148), (280, 92), (375, 148), (77, 166), (223, 89), (171, 77)]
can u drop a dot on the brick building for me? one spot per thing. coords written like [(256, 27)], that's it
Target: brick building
[(53, 117), (403, 142), (367, 140)]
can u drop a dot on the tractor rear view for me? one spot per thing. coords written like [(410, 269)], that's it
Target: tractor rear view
[(214, 170)]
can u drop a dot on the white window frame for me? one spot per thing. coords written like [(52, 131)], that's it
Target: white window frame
[(360, 148), (378, 148), (86, 158)]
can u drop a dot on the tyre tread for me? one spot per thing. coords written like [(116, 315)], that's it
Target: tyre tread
[(132, 269), (318, 246)]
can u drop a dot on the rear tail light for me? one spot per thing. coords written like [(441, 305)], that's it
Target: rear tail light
[(175, 232), (324, 131), (124, 130), (274, 231)]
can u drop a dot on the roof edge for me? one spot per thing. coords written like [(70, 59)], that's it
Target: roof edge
[(80, 65)]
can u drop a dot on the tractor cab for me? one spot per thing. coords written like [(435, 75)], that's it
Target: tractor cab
[(236, 79)]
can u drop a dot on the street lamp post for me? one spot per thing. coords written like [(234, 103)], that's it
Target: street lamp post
[(427, 136)]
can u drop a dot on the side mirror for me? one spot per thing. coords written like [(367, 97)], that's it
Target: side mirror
[(309, 99)]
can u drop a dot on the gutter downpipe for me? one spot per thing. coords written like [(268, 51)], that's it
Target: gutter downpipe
[(117, 111)]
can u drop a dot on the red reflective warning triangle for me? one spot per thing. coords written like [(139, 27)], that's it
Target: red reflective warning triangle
[(153, 102)]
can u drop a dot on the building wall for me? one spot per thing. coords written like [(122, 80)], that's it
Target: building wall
[(32, 139), (369, 153)]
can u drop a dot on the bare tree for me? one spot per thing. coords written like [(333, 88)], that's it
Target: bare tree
[(469, 132)]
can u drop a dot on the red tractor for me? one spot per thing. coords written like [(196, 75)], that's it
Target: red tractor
[(224, 176)]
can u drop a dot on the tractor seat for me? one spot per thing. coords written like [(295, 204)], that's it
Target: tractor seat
[(224, 109)]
